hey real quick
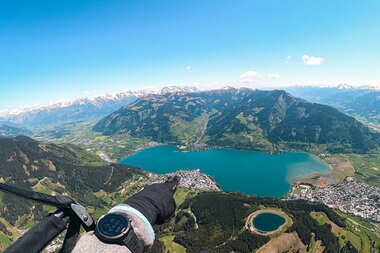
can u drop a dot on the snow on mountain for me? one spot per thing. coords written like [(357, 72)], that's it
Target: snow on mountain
[(79, 109), (178, 89), (339, 86), (83, 108)]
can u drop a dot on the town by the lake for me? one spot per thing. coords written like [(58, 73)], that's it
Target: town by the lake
[(350, 197)]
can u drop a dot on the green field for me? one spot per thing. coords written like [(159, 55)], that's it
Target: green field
[(298, 190), (4, 241), (367, 167), (180, 195), (343, 234), (80, 133), (172, 247), (189, 133), (362, 234)]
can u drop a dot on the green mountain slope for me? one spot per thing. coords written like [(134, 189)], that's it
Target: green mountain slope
[(11, 131), (361, 103), (216, 222), (239, 118), (56, 169)]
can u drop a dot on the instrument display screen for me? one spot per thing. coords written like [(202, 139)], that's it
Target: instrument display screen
[(113, 225)]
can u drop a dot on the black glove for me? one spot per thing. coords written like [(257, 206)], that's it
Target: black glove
[(156, 201)]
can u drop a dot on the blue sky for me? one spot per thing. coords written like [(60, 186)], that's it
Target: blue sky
[(63, 49)]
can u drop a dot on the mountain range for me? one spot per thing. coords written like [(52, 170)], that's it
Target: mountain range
[(239, 118), (81, 109), (69, 111), (362, 103)]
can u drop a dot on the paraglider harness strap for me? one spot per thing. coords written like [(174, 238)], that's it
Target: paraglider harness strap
[(69, 214)]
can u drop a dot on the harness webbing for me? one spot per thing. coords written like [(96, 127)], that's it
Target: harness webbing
[(39, 236), (57, 201)]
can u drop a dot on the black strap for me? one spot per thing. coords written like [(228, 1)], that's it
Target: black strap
[(133, 243), (58, 201), (39, 236), (71, 235)]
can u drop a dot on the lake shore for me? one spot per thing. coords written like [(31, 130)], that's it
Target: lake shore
[(249, 222), (341, 169)]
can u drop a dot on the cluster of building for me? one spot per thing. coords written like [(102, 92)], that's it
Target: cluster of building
[(191, 179), (350, 197)]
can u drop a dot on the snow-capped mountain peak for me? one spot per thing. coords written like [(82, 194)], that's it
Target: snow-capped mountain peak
[(339, 86), (84, 107), (178, 89)]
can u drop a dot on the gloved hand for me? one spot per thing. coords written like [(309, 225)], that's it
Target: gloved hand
[(156, 201)]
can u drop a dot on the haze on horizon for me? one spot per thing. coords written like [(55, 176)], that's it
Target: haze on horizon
[(54, 50)]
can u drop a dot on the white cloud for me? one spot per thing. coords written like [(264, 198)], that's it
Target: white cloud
[(288, 59), (188, 68), (249, 76), (273, 76), (252, 75), (312, 60)]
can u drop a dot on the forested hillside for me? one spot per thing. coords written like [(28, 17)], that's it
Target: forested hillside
[(55, 169), (240, 118), (363, 103), (215, 221)]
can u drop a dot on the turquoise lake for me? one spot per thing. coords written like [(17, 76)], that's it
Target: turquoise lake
[(268, 222), (261, 174)]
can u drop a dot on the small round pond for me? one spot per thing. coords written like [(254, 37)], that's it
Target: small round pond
[(268, 222)]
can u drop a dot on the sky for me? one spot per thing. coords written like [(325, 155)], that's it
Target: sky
[(64, 49)]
